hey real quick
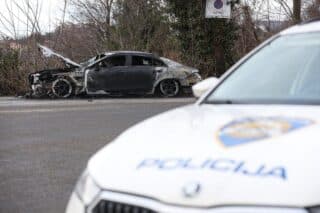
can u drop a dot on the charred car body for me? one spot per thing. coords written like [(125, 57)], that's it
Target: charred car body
[(114, 73)]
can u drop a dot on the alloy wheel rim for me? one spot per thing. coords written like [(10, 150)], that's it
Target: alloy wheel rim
[(169, 88), (62, 88)]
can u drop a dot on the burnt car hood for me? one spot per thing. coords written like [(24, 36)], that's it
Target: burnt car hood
[(47, 52)]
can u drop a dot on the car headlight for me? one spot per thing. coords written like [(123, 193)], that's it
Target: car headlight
[(194, 78), (86, 188)]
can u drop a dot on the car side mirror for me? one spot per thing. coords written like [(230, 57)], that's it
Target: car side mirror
[(204, 86)]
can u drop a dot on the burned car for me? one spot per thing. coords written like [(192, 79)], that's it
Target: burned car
[(114, 73)]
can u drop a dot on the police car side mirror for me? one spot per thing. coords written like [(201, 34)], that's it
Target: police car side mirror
[(204, 86)]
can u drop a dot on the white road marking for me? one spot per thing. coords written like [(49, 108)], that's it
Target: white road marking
[(69, 109), (22, 102), (75, 105)]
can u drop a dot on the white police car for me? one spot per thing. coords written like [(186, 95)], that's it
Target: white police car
[(251, 144)]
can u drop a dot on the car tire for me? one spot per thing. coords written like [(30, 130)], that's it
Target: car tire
[(169, 88), (62, 88)]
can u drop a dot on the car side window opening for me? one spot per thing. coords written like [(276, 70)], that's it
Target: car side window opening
[(114, 61), (158, 63), (141, 61)]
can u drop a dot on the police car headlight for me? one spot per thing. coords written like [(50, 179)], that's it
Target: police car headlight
[(86, 188)]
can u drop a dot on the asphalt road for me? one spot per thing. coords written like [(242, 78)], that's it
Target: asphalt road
[(44, 145)]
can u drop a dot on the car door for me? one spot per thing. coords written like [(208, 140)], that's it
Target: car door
[(114, 73), (142, 73), (109, 74)]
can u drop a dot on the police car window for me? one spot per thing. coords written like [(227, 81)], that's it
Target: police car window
[(114, 61), (273, 72), (141, 61), (308, 84)]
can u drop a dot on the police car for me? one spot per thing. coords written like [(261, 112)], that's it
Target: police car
[(249, 145)]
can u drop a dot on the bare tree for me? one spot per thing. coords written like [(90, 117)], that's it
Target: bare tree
[(20, 20), (95, 12), (312, 10), (24, 13)]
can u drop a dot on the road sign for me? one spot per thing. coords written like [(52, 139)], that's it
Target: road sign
[(218, 9)]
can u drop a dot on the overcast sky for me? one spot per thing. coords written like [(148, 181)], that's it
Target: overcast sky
[(50, 15)]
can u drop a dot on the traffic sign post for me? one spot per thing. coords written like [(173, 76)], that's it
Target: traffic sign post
[(219, 8)]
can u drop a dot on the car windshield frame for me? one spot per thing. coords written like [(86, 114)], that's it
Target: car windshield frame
[(265, 101)]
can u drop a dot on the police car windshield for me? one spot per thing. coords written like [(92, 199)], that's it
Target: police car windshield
[(287, 70)]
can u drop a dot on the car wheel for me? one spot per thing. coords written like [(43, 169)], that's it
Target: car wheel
[(169, 88), (62, 88)]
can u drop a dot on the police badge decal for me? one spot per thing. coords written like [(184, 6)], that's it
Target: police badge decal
[(247, 130)]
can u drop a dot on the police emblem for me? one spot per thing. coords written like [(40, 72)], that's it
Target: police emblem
[(191, 189), (247, 130)]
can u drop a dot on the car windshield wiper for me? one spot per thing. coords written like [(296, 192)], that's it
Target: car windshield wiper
[(221, 101), (261, 101)]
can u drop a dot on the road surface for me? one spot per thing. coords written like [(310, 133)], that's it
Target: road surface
[(44, 144)]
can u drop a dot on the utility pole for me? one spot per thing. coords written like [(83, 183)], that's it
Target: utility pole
[(297, 11), (220, 15)]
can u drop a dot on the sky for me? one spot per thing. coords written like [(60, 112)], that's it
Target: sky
[(50, 16)]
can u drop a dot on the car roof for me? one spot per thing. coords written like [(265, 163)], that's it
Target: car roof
[(305, 27), (130, 53)]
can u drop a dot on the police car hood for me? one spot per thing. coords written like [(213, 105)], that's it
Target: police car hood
[(213, 155)]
